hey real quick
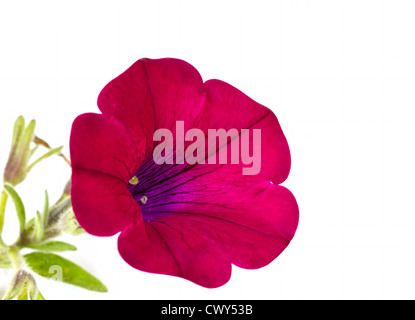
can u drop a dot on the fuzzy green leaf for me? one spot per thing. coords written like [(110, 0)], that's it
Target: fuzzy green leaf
[(18, 203), (57, 246), (45, 264)]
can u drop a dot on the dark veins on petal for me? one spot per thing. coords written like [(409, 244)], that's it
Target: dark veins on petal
[(158, 185)]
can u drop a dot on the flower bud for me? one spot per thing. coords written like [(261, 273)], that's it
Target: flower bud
[(18, 166), (23, 287), (20, 153)]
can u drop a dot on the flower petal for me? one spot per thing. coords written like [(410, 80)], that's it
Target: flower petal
[(153, 94), (103, 160), (102, 144), (210, 217), (227, 107), (160, 248), (101, 203), (177, 91), (128, 99)]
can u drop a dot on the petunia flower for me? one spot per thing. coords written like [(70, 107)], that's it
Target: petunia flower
[(186, 220)]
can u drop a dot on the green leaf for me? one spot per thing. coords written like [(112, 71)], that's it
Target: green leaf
[(45, 156), (18, 203), (52, 246), (45, 264)]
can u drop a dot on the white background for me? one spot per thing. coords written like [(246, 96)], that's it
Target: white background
[(339, 75)]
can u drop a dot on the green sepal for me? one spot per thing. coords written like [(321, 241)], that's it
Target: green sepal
[(46, 208), (23, 287), (71, 225), (45, 156), (39, 296), (39, 226), (58, 211), (18, 129), (33, 150), (42, 263), (24, 294), (28, 135)]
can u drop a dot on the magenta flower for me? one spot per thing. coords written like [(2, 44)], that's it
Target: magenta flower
[(187, 220)]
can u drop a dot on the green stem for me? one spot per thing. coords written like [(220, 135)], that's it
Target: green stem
[(3, 201), (15, 257)]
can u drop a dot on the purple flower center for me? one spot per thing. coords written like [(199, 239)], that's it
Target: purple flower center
[(156, 187)]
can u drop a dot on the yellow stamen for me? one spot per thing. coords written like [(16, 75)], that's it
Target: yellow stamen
[(133, 180)]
